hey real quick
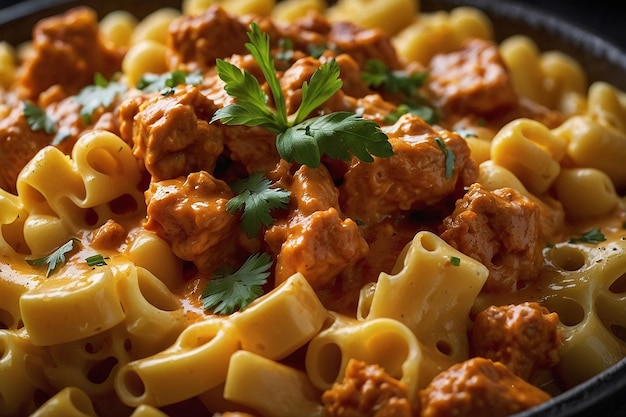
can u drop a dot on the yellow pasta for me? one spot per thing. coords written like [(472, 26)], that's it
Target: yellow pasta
[(282, 321), (64, 309), (391, 15), (274, 389), (586, 193), (530, 151), (70, 402), (106, 291), (384, 341), (173, 375), (424, 290)]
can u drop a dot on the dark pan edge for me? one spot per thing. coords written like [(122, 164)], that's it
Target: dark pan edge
[(602, 60)]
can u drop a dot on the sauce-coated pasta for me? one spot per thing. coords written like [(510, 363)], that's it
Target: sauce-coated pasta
[(441, 233)]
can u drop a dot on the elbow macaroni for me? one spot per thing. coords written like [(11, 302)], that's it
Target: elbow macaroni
[(122, 330)]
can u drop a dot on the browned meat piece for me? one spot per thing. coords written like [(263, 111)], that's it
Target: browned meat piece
[(195, 42), (67, 50), (523, 337), (366, 391), (314, 240), (18, 144), (191, 215), (172, 136), (319, 246), (363, 44), (500, 229), (473, 79), (413, 178), (478, 387), (109, 236)]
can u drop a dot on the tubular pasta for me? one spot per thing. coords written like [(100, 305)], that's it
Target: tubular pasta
[(384, 341), (280, 322), (274, 389), (531, 151), (19, 359), (67, 308), (69, 402), (424, 291), (174, 374)]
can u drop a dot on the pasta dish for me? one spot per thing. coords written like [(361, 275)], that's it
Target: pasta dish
[(284, 209)]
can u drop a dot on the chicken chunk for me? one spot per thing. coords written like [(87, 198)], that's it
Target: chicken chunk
[(478, 387), (172, 136), (195, 42), (473, 79), (416, 177), (501, 230), (69, 50), (314, 239), (190, 213), (366, 391), (523, 337)]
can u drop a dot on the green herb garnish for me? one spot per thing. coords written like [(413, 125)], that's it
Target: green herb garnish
[(449, 157), (297, 140), (101, 94), (229, 291), (165, 83), (377, 74), (37, 118), (256, 198), (96, 260), (590, 236), (57, 257), (455, 261)]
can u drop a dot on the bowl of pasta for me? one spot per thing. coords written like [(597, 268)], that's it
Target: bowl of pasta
[(301, 208)]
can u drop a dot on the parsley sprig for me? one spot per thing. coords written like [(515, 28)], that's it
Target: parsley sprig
[(256, 198), (233, 290), (101, 94), (54, 259), (300, 140)]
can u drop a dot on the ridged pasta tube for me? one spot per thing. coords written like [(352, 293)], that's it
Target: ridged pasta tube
[(197, 362), (281, 321)]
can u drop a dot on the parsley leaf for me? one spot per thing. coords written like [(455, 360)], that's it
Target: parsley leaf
[(376, 74), (55, 258), (256, 198), (449, 156), (101, 94), (297, 139), (455, 261), (37, 118), (96, 260), (229, 291), (590, 236), (165, 83)]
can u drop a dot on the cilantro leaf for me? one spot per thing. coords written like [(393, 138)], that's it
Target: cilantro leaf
[(300, 140), (100, 94), (165, 83), (229, 291), (336, 135), (55, 258), (429, 114), (449, 157), (256, 198), (590, 236), (37, 118)]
